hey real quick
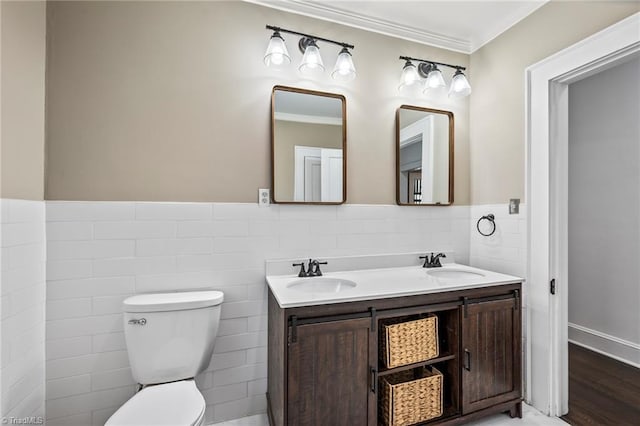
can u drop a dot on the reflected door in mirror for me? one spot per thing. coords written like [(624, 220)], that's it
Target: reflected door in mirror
[(318, 174), (424, 149), (308, 145)]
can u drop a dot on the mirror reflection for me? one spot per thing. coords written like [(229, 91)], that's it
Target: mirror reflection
[(308, 145), (424, 150)]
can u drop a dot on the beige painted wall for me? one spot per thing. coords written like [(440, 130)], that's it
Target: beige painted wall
[(497, 78), (288, 134), (167, 100), (23, 48)]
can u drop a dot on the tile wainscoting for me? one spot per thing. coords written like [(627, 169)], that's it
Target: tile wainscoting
[(506, 250), (22, 312), (101, 252)]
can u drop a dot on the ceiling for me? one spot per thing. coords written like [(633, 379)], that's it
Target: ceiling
[(306, 104), (463, 26)]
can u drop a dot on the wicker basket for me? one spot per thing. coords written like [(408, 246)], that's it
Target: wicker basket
[(410, 341), (407, 400)]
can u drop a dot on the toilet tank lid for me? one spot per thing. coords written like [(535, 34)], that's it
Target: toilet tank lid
[(161, 302)]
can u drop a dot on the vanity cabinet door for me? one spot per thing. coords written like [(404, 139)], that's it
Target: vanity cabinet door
[(491, 348), (329, 374)]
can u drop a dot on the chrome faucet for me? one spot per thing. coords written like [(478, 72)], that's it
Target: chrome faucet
[(434, 262)]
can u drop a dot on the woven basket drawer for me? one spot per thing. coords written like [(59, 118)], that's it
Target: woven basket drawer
[(410, 341), (408, 400)]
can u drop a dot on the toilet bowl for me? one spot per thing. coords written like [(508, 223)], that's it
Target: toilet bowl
[(170, 340), (170, 404)]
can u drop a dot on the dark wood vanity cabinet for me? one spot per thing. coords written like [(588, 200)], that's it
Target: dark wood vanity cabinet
[(325, 365)]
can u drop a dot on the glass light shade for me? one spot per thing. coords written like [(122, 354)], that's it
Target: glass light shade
[(409, 76), (311, 60), (460, 86), (277, 53), (344, 69), (435, 79)]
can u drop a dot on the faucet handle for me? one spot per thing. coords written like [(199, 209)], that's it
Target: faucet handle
[(426, 260), (314, 268), (303, 273)]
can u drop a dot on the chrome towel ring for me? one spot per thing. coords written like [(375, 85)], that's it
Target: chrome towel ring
[(492, 219)]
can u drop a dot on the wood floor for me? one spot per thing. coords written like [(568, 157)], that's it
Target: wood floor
[(602, 391)]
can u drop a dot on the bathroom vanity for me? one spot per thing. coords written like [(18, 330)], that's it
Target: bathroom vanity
[(325, 350)]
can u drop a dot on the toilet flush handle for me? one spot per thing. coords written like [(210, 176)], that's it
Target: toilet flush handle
[(141, 321)]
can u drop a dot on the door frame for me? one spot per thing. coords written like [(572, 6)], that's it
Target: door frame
[(422, 131), (546, 134), (329, 181), (301, 153)]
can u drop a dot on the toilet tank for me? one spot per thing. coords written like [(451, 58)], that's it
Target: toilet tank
[(170, 336)]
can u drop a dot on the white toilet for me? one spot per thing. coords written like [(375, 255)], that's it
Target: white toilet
[(170, 340)]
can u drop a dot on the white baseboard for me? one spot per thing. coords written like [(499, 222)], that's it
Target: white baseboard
[(605, 344)]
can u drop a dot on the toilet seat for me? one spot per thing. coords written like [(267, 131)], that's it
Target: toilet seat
[(171, 404)]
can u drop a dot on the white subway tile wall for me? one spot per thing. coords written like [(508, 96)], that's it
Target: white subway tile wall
[(22, 309), (506, 250), (101, 252)]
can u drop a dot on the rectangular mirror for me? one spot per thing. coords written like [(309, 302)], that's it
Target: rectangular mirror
[(308, 146), (424, 156)]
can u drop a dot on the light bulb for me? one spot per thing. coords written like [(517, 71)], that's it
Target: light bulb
[(311, 60), (344, 69), (409, 77), (276, 53), (435, 79), (460, 86)]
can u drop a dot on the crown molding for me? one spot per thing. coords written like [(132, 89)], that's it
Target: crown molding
[(320, 11), (312, 119)]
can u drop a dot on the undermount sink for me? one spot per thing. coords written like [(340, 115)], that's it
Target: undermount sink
[(322, 285), (454, 274)]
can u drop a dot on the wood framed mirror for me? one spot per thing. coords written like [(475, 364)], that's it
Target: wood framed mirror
[(308, 147), (424, 156)]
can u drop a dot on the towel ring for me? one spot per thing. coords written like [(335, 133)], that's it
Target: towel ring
[(491, 218)]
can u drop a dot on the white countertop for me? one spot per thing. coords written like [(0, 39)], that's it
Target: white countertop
[(383, 283)]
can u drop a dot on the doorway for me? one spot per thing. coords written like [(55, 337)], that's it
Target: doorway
[(546, 191), (604, 246)]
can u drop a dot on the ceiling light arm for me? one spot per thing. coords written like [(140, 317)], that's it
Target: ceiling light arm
[(309, 36), (426, 61)]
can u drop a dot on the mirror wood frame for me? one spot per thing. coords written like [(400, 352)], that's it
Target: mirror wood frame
[(344, 144), (451, 153)]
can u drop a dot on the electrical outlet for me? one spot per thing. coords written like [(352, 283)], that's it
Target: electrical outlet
[(264, 197), (514, 206)]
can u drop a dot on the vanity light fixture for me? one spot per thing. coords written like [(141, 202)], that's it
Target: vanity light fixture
[(409, 77), (428, 72), (435, 79), (311, 59), (344, 68), (277, 54), (460, 86)]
